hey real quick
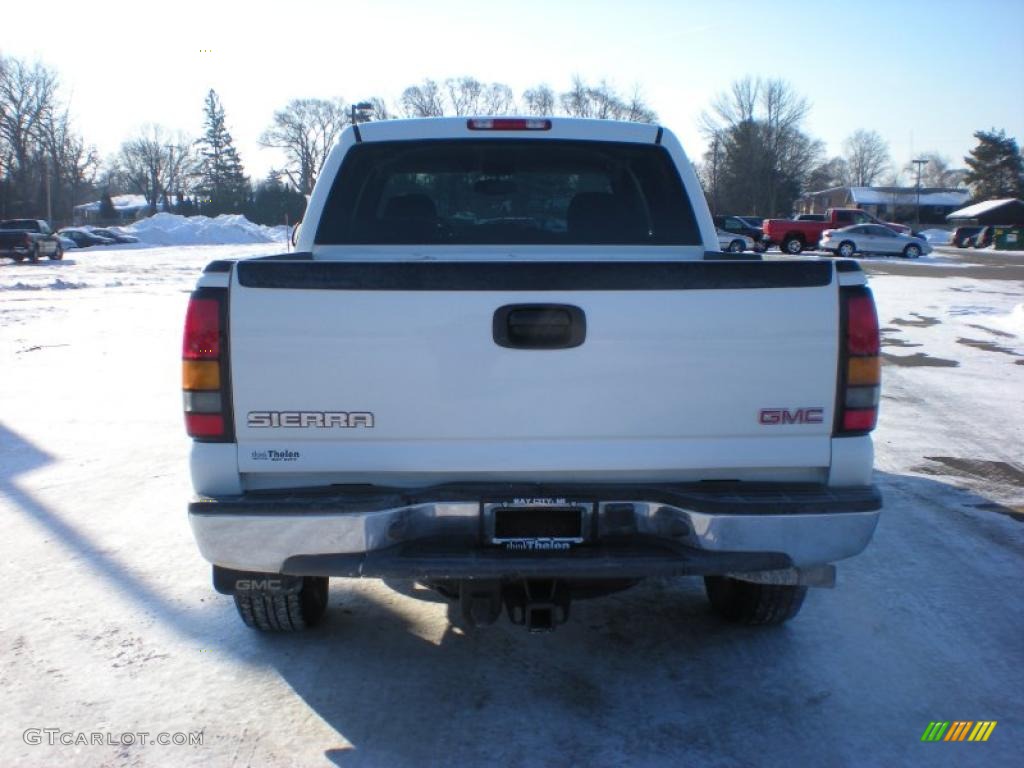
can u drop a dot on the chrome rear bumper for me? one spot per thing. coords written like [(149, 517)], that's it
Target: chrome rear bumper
[(633, 530)]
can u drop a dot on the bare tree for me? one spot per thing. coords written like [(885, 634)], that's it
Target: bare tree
[(45, 165), (498, 99), (306, 129), (380, 109), (539, 100), (70, 164), (733, 107), (829, 174), (423, 100), (637, 110), (27, 93), (602, 101), (465, 95), (766, 157), (460, 96), (576, 101), (156, 164), (867, 156), (606, 105), (936, 172)]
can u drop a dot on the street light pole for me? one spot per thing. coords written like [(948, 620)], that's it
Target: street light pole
[(358, 109), (714, 175), (49, 192), (919, 163)]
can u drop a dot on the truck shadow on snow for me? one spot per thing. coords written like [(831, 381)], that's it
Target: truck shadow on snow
[(649, 675), (19, 456), (646, 676)]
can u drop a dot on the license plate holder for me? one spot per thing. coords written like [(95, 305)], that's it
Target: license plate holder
[(537, 524)]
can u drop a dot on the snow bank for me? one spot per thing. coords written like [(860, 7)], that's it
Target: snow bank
[(56, 285), (1011, 323), (233, 229)]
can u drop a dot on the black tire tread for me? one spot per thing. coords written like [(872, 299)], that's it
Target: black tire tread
[(284, 612), (745, 602), (788, 240)]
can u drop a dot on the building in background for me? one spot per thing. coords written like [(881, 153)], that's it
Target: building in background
[(1006, 212), (128, 208), (889, 203)]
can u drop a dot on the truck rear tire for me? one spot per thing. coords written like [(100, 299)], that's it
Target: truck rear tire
[(293, 612), (745, 602), (792, 245)]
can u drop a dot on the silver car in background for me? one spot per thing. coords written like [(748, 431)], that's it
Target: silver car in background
[(871, 238), (733, 243)]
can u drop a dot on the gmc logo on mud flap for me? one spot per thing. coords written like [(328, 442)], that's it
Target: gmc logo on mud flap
[(771, 416), (258, 585)]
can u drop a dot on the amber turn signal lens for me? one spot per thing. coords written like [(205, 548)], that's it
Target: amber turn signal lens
[(200, 374), (864, 372)]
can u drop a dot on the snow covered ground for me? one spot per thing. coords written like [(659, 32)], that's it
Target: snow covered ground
[(109, 623)]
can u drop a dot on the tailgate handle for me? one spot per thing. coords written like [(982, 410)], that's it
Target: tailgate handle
[(539, 326)]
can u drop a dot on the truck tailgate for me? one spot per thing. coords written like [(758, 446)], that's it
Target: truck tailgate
[(357, 370)]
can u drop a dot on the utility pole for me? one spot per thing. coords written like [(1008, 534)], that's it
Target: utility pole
[(49, 192), (714, 175), (920, 162)]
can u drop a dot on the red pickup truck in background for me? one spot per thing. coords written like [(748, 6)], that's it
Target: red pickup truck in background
[(793, 236)]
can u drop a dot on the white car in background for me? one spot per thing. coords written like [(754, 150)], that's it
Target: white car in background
[(730, 241), (872, 238)]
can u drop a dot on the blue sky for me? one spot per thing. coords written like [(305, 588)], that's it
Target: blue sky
[(925, 75)]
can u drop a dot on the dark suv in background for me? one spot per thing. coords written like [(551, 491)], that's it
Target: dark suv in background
[(962, 236), (739, 225)]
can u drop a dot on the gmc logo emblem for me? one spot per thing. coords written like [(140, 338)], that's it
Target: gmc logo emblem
[(797, 416)]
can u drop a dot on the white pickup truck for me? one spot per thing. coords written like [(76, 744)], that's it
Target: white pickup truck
[(507, 361)]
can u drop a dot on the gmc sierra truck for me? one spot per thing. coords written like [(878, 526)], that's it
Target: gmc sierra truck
[(507, 361)]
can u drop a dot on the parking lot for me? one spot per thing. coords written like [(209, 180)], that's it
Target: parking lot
[(110, 624)]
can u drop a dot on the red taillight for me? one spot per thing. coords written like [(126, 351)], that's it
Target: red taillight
[(204, 424), (859, 370), (205, 398), (860, 421), (202, 330), (507, 124), (862, 325)]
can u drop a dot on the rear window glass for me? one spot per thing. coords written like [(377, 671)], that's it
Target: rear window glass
[(463, 192)]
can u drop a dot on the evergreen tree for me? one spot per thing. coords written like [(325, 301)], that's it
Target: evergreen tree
[(223, 187), (108, 214), (274, 202), (994, 166)]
